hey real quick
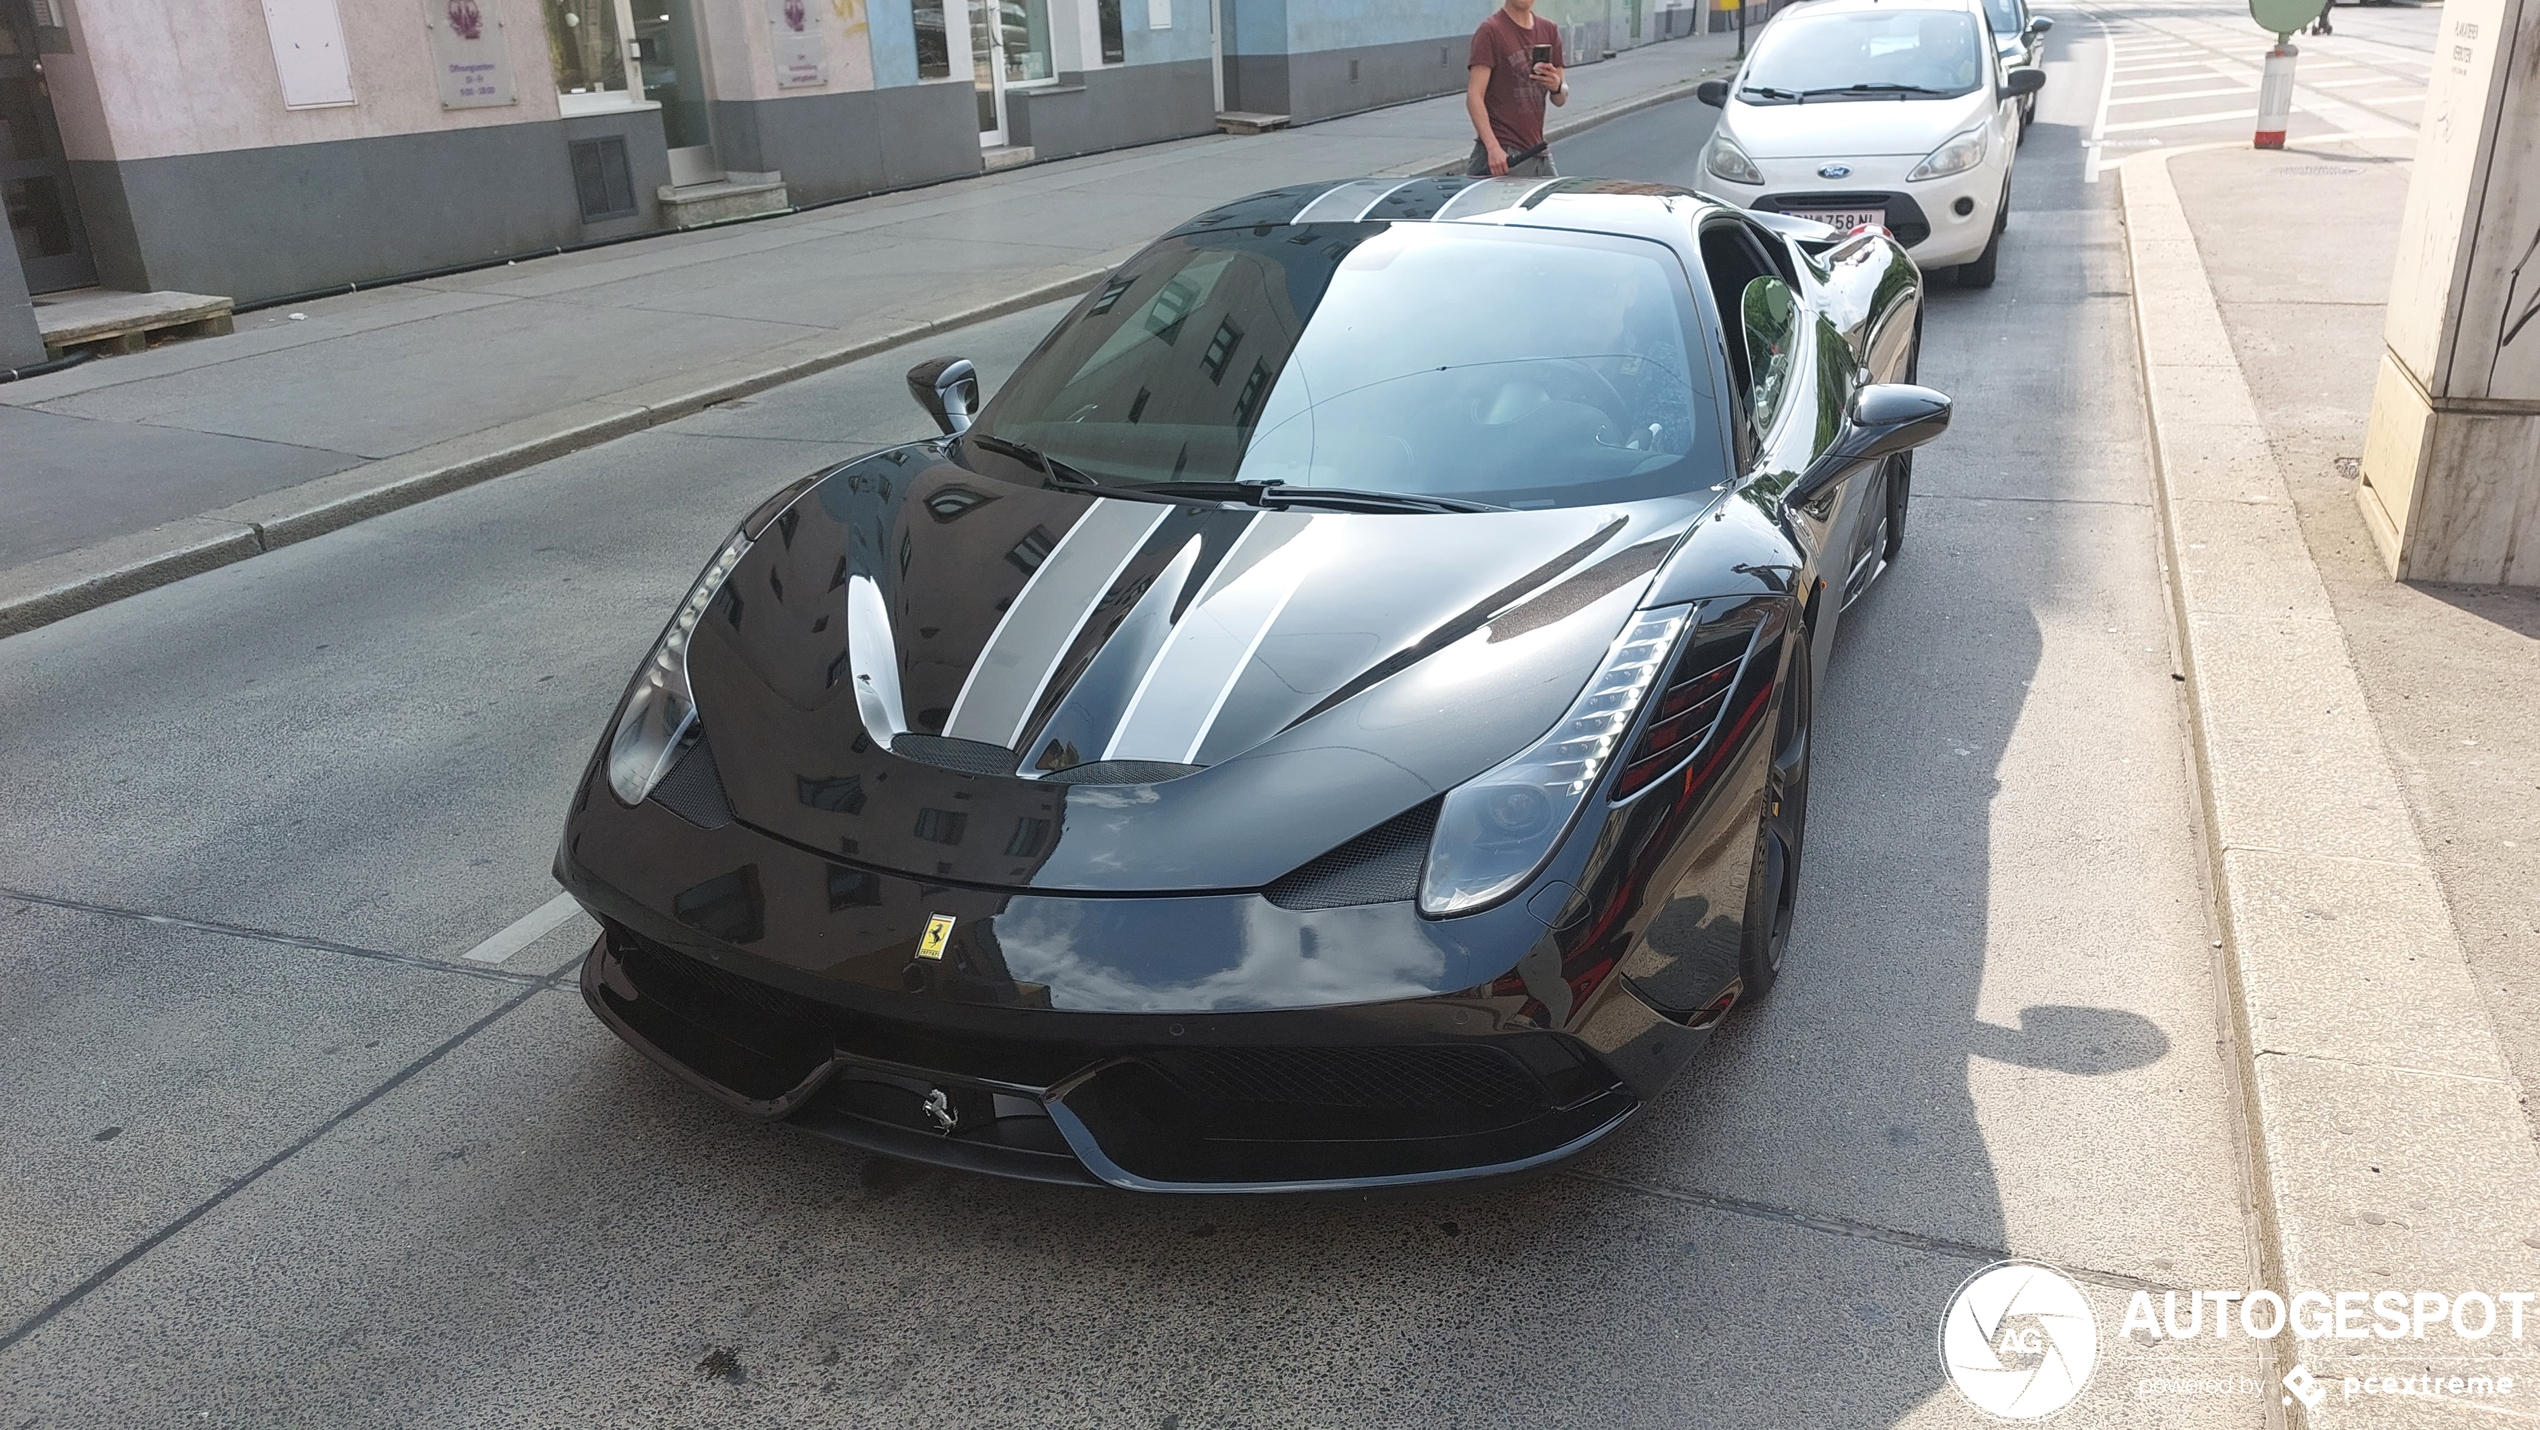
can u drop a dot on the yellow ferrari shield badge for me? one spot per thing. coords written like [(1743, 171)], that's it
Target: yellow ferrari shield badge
[(938, 933)]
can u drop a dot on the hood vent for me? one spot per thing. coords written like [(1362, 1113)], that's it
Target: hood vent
[(1121, 772), (1381, 866), (969, 757)]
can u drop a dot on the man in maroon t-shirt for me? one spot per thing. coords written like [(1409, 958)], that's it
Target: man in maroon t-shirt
[(1505, 87)]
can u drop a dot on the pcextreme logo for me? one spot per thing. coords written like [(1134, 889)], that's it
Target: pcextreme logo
[(2018, 1340)]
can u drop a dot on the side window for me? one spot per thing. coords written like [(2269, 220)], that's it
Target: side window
[(1769, 314), (1737, 266)]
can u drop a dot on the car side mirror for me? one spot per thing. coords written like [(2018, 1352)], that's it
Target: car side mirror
[(2040, 25), (1713, 92), (2027, 79), (948, 388), (1885, 418)]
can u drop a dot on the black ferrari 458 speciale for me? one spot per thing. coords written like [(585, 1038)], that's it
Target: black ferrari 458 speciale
[(1338, 717)]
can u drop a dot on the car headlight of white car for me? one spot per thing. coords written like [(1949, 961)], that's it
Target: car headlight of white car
[(1724, 160), (1956, 155)]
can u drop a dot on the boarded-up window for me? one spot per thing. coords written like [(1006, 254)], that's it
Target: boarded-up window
[(308, 51)]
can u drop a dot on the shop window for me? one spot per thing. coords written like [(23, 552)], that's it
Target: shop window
[(1115, 50), (934, 52), (586, 45), (1026, 40)]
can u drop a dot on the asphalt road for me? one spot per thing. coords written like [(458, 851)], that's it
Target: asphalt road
[(278, 1152)]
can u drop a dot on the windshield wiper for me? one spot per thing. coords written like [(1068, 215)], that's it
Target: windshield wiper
[(1769, 92), (1273, 496), (1060, 474), (1278, 496), (1877, 87)]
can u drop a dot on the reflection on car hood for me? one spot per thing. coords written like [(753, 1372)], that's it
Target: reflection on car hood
[(1852, 129), (948, 675)]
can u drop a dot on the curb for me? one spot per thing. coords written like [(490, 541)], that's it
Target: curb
[(2390, 1147), (47, 590)]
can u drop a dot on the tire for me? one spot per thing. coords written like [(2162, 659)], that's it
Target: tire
[(1979, 272), (1781, 837), (1900, 468)]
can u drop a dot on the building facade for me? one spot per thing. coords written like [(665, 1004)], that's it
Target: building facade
[(257, 148)]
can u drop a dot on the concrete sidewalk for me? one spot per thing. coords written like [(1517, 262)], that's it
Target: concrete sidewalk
[(130, 472), (2369, 752)]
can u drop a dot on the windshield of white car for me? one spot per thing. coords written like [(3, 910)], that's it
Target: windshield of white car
[(1394, 364), (1866, 55)]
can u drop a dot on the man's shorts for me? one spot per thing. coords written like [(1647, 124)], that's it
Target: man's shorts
[(1538, 167)]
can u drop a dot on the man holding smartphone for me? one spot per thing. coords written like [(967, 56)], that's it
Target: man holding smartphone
[(1514, 67)]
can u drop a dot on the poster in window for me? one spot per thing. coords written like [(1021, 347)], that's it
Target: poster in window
[(470, 60), (308, 53), (802, 52)]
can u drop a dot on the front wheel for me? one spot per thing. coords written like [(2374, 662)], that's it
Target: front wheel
[(1772, 885), (1979, 272), (1900, 468)]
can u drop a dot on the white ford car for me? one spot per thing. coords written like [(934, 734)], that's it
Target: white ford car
[(1890, 112)]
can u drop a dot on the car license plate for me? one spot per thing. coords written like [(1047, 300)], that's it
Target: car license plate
[(1845, 219)]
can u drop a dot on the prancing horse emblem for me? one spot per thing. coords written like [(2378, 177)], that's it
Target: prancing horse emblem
[(939, 1110), (1835, 171)]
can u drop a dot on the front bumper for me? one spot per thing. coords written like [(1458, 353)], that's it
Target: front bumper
[(1922, 214), (1151, 1043), (1437, 1090)]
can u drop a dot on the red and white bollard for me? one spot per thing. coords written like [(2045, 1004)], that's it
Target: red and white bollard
[(2275, 95)]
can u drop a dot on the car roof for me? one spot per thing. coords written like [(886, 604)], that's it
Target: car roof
[(1829, 7), (1627, 206)]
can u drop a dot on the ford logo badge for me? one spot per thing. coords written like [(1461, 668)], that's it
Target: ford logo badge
[(1835, 171)]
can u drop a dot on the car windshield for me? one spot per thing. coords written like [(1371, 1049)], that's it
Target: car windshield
[(1513, 367), (1868, 54)]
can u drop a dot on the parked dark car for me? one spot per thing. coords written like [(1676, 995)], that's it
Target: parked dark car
[(1339, 716)]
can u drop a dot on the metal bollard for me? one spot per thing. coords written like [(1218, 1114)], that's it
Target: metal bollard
[(2275, 95)]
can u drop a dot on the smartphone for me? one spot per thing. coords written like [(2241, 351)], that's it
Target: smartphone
[(1543, 54)]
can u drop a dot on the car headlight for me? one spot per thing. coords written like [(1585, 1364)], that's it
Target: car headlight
[(1724, 160), (1496, 829), (660, 711), (1956, 155)]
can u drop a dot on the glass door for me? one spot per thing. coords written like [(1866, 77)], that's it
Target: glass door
[(987, 69), (674, 74), (35, 178)]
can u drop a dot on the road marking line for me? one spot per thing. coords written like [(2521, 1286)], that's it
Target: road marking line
[(2180, 65), (2184, 120), (524, 931), (2167, 79), (2107, 83), (2186, 94)]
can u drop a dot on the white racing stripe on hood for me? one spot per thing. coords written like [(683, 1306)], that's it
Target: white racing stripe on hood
[(1045, 618), (1181, 693)]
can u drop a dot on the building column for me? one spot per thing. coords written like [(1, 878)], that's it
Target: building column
[(2451, 468)]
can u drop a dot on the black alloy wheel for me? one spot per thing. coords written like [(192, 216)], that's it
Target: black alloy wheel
[(1900, 468), (1772, 884)]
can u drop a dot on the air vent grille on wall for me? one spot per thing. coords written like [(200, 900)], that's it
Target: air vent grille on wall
[(602, 179)]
